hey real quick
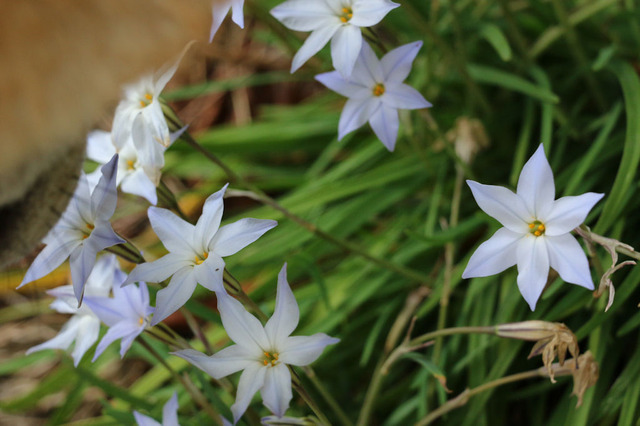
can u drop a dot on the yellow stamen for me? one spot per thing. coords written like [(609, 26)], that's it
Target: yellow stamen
[(199, 260), (531, 226), (148, 97), (345, 10), (541, 227), (537, 228), (265, 362), (141, 321), (90, 226), (347, 14), (344, 20), (537, 233), (130, 164), (275, 356), (142, 104), (378, 89)]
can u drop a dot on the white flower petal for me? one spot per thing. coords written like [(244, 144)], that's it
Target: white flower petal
[(100, 148), (232, 238), (104, 196), (533, 268), (79, 211), (567, 257), (535, 184), (303, 350), (345, 46), (81, 263), (88, 332), (176, 234), (170, 411), (49, 259), (103, 236), (404, 97), (176, 294), (62, 340), (368, 69), (242, 327), (143, 420), (209, 221), (286, 314), (396, 65), (220, 9), (210, 272), (385, 124), (494, 255), (503, 205), (276, 392), (114, 333), (304, 15), (367, 13), (355, 113), (316, 41), (108, 310), (138, 183), (568, 213), (334, 81), (236, 12), (251, 381), (221, 364), (159, 270)]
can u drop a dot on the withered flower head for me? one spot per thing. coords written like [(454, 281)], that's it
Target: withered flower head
[(585, 374), (552, 338)]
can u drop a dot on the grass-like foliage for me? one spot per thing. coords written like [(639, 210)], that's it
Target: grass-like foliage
[(376, 241)]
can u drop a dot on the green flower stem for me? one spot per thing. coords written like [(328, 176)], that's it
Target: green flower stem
[(326, 395), (297, 385), (384, 364), (463, 398), (127, 251), (197, 396), (265, 199), (197, 330), (169, 199)]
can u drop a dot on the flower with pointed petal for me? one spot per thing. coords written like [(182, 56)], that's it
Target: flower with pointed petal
[(169, 414), (262, 352), (376, 92), (536, 233), (138, 172), (82, 231), (337, 20), (220, 10), (126, 314), (195, 252), (84, 325)]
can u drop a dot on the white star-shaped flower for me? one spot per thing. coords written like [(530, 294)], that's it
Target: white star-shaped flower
[(82, 231), (169, 414), (138, 172), (220, 10), (126, 314), (262, 352), (536, 233), (376, 92), (195, 252), (84, 326), (337, 20)]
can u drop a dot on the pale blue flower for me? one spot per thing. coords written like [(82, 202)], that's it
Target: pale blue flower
[(82, 231), (262, 352), (337, 20), (376, 92), (195, 252), (169, 414), (126, 314), (84, 326), (536, 233), (138, 171), (220, 10)]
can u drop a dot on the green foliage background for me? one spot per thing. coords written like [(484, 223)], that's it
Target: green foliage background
[(564, 73)]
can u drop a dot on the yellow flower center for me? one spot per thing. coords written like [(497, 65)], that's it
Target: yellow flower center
[(537, 228), (141, 321), (90, 228), (200, 259), (148, 97), (130, 164), (346, 15), (378, 89), (270, 359)]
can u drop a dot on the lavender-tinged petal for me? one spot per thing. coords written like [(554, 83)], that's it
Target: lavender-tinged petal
[(210, 272), (158, 270), (170, 411), (176, 294), (103, 236), (237, 15), (209, 221), (276, 392), (536, 186), (138, 183), (404, 97), (367, 13), (368, 69), (303, 350), (219, 11), (81, 263), (88, 332), (567, 257), (127, 339), (316, 41), (104, 197), (117, 331), (49, 259), (221, 364), (143, 420), (355, 114), (502, 205), (345, 87), (396, 65), (385, 124), (251, 381), (494, 255), (232, 238), (533, 268), (286, 314), (568, 213), (242, 327), (345, 47), (176, 234), (108, 310)]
